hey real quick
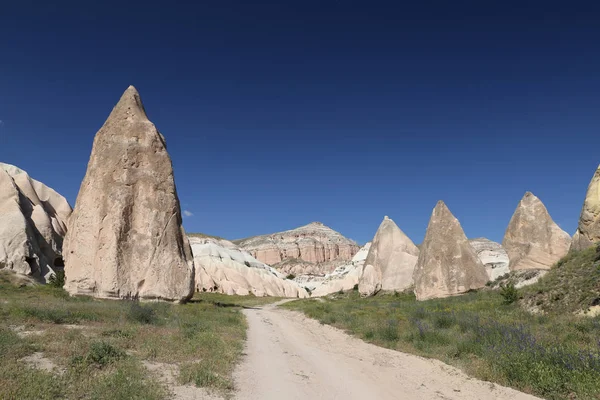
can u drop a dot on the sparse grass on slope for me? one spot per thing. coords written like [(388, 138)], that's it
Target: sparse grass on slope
[(99, 346), (572, 285), (555, 357)]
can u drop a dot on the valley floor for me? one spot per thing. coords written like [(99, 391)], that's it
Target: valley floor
[(293, 357)]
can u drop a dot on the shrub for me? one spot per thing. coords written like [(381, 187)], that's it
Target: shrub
[(142, 314), (99, 354), (57, 279), (509, 293), (291, 277)]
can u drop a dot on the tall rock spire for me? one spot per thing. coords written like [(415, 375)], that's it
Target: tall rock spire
[(588, 230), (532, 239), (391, 261), (125, 236), (447, 263)]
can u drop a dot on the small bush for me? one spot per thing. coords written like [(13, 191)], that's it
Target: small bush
[(291, 277), (57, 279), (100, 354), (509, 293), (142, 314)]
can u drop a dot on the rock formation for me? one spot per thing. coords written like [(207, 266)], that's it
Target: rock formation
[(313, 243), (493, 257), (125, 238), (33, 220), (391, 261), (223, 267), (343, 278), (447, 264), (532, 239), (588, 230)]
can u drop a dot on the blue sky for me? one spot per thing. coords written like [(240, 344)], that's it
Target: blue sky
[(281, 113)]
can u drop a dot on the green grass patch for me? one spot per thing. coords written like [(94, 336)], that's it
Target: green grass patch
[(99, 346)]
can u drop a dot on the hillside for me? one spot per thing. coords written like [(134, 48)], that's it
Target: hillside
[(313, 243), (572, 285)]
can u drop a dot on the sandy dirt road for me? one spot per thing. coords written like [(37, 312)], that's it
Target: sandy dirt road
[(289, 356)]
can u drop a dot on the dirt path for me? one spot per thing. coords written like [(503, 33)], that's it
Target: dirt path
[(292, 357)]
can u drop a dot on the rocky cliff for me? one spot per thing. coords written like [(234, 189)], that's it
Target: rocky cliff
[(314, 243), (344, 277), (33, 223), (223, 267)]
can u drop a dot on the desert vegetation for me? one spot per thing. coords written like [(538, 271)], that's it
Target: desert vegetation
[(492, 335), (56, 346)]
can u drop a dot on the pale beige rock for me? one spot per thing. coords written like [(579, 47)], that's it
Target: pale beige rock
[(297, 267), (370, 280), (222, 267), (33, 220), (588, 230), (532, 239), (492, 255), (313, 243), (343, 278), (392, 257), (125, 237), (447, 264)]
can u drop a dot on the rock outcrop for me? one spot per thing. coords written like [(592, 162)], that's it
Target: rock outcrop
[(588, 230), (313, 243), (447, 264), (125, 238), (343, 278), (391, 261), (33, 223), (532, 239), (223, 267), (493, 257)]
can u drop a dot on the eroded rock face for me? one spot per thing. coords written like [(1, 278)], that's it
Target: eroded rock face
[(493, 257), (313, 243), (223, 267), (532, 239), (125, 237), (447, 264), (588, 230), (33, 223), (392, 257), (343, 278)]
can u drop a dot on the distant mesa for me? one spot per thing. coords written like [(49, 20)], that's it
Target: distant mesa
[(588, 229), (125, 238), (314, 243), (33, 223), (532, 239), (391, 261), (447, 265)]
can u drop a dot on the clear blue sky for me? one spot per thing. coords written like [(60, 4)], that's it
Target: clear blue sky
[(281, 113)]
